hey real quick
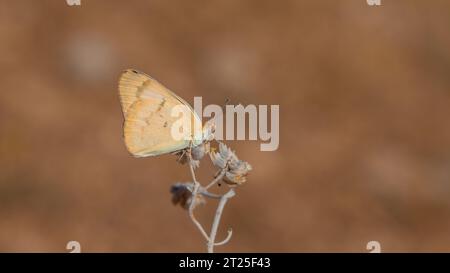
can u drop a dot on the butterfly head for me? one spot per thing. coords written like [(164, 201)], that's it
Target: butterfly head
[(208, 130)]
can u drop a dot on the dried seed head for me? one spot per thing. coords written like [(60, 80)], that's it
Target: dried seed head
[(181, 194), (236, 170), (224, 155)]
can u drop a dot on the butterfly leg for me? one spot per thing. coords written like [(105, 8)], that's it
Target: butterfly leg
[(180, 158)]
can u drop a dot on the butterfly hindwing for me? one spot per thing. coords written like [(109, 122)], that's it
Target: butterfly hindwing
[(147, 106)]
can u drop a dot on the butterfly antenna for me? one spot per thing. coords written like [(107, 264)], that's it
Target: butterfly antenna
[(227, 100)]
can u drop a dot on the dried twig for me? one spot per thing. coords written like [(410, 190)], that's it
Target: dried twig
[(223, 200), (218, 178), (194, 198), (231, 170), (215, 225)]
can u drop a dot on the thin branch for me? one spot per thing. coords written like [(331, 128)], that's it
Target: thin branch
[(208, 194), (197, 189), (191, 212), (217, 217), (194, 199), (191, 166), (230, 233), (217, 179)]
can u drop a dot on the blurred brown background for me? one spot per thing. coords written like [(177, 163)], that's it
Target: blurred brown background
[(364, 104)]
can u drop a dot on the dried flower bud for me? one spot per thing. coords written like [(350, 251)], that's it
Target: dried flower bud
[(182, 194), (236, 170), (221, 158)]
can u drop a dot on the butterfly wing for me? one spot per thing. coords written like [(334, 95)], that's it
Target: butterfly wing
[(147, 106)]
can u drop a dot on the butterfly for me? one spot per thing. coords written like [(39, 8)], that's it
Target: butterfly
[(147, 108)]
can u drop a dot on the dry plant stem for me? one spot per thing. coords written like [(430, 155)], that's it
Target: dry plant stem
[(198, 189), (194, 197), (215, 225), (217, 179), (208, 194)]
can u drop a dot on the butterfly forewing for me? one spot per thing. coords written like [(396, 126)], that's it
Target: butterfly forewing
[(147, 106)]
